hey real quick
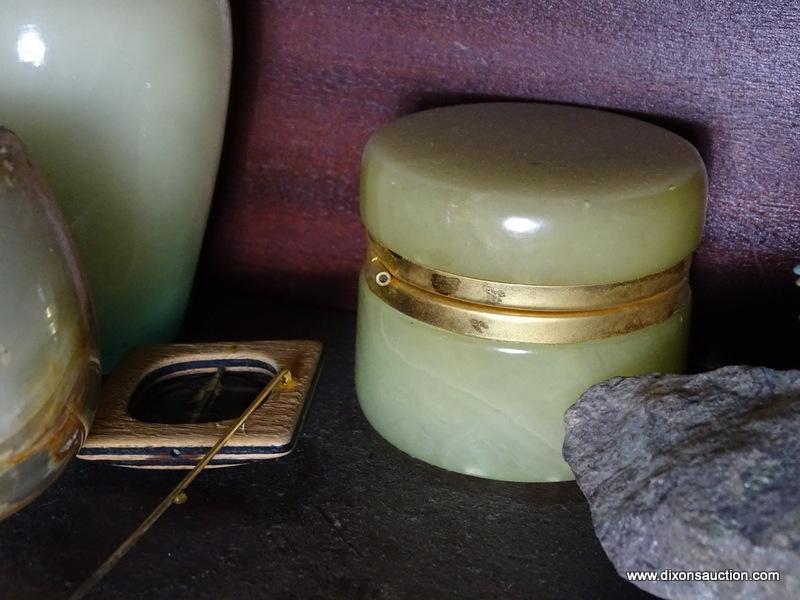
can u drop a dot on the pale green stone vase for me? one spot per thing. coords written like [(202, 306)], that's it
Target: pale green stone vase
[(122, 104)]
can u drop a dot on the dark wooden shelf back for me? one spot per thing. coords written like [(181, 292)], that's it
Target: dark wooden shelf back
[(314, 79)]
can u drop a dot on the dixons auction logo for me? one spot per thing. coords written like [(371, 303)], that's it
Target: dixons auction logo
[(726, 575)]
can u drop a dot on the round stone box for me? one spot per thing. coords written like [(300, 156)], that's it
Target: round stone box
[(519, 253)]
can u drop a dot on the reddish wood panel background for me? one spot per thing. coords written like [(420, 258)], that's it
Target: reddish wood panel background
[(313, 79)]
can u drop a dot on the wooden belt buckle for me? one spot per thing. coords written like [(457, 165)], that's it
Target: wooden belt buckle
[(195, 406), (165, 406)]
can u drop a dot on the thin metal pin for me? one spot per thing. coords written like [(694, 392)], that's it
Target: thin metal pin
[(178, 495)]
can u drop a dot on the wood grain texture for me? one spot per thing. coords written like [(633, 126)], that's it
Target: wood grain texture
[(314, 79), (118, 438)]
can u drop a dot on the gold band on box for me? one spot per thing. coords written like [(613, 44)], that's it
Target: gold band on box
[(524, 313)]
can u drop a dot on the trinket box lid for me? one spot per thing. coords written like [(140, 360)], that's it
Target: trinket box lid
[(533, 193)]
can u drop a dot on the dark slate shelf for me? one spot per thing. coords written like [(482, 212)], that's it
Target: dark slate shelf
[(345, 516)]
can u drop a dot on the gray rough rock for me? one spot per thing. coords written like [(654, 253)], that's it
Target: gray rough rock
[(694, 472)]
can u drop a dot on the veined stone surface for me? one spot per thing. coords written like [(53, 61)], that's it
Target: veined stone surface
[(488, 408), (49, 369), (694, 473)]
